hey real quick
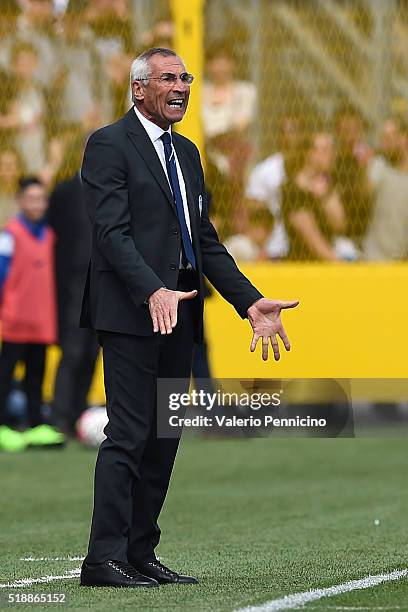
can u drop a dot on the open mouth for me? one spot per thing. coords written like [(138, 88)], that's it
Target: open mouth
[(176, 103)]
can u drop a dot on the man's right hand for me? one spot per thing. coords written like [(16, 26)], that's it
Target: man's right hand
[(163, 305)]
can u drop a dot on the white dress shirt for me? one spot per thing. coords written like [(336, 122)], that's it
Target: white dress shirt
[(155, 132)]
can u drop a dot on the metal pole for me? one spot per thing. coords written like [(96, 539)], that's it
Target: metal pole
[(188, 17)]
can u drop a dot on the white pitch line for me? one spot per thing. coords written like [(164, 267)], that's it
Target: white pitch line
[(300, 599), (52, 558), (370, 608), (74, 573)]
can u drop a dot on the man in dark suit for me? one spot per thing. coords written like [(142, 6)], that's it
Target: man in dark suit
[(68, 217), (152, 244)]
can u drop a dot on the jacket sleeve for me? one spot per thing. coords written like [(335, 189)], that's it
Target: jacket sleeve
[(219, 266), (104, 177)]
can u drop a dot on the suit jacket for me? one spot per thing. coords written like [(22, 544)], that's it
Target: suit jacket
[(136, 237), (68, 218)]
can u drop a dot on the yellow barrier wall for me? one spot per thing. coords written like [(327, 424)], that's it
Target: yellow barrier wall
[(351, 323)]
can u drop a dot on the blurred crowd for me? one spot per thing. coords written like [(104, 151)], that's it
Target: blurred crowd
[(63, 74), (323, 195)]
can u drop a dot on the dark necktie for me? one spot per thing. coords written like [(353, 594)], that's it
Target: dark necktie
[(188, 251)]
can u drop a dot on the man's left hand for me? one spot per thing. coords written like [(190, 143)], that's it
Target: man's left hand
[(264, 317)]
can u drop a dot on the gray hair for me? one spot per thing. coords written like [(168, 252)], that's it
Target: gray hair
[(140, 68)]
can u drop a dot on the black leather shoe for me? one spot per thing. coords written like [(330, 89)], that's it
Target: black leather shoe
[(163, 575), (114, 574)]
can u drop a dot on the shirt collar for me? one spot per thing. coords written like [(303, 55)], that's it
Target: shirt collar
[(36, 228), (153, 131)]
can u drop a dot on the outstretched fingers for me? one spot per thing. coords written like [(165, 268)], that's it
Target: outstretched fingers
[(186, 295), (160, 321), (155, 321), (275, 347), (291, 304), (173, 315), (284, 338), (167, 322), (265, 345), (254, 342), (163, 306)]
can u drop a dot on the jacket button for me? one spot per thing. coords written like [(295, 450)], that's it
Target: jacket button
[(173, 266), (175, 229)]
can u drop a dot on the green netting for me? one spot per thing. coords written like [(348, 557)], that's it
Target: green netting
[(305, 127)]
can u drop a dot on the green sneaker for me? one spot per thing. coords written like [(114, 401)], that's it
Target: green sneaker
[(44, 436), (11, 441)]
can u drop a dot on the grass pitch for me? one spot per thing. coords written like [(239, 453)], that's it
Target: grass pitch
[(254, 520)]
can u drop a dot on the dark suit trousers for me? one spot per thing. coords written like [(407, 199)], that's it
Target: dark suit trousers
[(133, 468), (80, 351), (33, 356)]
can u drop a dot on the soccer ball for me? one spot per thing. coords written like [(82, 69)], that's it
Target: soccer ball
[(90, 426)]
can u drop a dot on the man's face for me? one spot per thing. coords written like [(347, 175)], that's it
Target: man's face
[(161, 102), (33, 202)]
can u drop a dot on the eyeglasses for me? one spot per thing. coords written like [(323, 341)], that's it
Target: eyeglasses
[(169, 78)]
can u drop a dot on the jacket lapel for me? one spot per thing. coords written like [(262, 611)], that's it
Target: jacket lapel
[(141, 141)]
